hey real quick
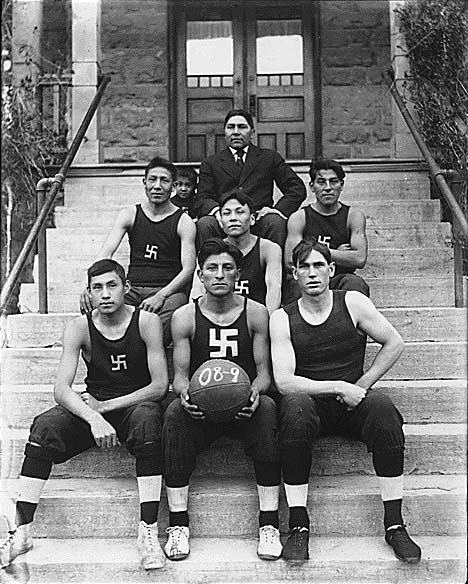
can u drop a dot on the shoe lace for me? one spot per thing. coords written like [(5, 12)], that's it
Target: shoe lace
[(269, 533), (175, 535), (150, 537)]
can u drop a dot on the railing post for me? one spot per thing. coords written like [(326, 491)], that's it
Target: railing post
[(41, 187), (456, 185)]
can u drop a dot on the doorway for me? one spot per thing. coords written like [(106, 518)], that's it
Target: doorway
[(260, 56)]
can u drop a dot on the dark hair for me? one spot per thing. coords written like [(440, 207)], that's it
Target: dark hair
[(217, 246), (326, 164), (163, 163), (104, 266), (239, 112), (189, 173), (238, 195), (304, 247)]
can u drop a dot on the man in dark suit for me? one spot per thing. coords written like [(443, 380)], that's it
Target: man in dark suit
[(255, 170)]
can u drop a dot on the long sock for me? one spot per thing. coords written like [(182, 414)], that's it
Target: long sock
[(149, 492), (392, 513), (268, 518), (177, 500), (298, 517), (33, 477), (148, 471)]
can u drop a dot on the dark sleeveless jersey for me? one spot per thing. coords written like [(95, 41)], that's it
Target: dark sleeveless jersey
[(117, 367), (213, 341), (251, 282), (332, 230), (333, 350), (154, 250)]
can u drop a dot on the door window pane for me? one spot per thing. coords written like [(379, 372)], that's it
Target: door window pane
[(209, 47), (279, 47)]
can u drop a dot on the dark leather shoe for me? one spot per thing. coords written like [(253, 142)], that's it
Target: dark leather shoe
[(297, 545), (404, 547)]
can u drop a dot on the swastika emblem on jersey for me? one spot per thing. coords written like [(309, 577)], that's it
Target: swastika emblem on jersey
[(224, 343), (242, 287), (325, 239), (151, 252), (119, 362)]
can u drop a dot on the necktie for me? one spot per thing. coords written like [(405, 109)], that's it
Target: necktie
[(239, 160)]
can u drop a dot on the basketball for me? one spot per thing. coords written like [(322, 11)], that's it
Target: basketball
[(220, 388)]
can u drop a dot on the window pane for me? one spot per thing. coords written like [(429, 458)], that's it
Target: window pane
[(209, 47), (279, 46)]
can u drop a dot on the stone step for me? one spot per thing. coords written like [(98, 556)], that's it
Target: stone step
[(389, 212), (430, 448), (431, 401), (414, 324), (420, 360), (64, 265), (433, 505), (406, 291), (89, 240), (234, 560)]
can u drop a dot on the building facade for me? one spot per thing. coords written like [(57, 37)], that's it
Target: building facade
[(309, 71)]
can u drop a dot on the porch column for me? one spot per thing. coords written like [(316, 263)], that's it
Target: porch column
[(26, 33), (403, 144), (86, 56)]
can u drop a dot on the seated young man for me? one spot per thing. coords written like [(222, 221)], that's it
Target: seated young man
[(318, 345), (126, 379), (186, 188), (162, 247), (340, 227), (260, 276), (198, 330)]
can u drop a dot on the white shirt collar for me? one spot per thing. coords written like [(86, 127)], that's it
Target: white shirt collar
[(234, 152)]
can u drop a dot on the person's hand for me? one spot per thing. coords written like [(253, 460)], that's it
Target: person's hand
[(103, 433), (344, 247), (247, 412), (153, 303), (85, 302), (266, 211), (194, 411), (92, 402), (349, 394)]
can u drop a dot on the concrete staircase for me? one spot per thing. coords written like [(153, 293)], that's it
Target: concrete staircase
[(86, 522)]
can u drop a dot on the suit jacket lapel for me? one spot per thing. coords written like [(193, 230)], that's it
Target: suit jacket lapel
[(250, 162), (228, 163)]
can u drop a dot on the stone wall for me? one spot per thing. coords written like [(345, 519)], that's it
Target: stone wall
[(356, 107), (134, 112)]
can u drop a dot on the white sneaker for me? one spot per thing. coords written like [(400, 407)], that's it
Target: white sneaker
[(269, 544), (16, 543), (177, 546), (151, 554)]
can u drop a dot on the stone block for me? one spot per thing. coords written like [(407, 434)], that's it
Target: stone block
[(354, 15), (346, 57), (363, 105), (344, 75), (134, 66), (127, 24)]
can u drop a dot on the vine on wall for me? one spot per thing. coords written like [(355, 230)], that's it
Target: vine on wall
[(436, 36)]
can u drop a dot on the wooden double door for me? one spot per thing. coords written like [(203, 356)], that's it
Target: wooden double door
[(256, 55)]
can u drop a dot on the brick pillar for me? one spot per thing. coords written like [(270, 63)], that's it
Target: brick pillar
[(85, 57), (402, 144), (27, 29)]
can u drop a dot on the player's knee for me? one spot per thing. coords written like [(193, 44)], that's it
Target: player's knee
[(45, 437), (354, 282), (383, 426), (145, 429), (299, 422)]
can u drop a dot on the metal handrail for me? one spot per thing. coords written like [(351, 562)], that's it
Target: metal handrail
[(434, 169), (57, 183), (460, 224)]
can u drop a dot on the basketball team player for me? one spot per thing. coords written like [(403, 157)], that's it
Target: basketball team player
[(126, 379), (261, 274), (221, 325), (162, 247), (341, 227), (318, 345)]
